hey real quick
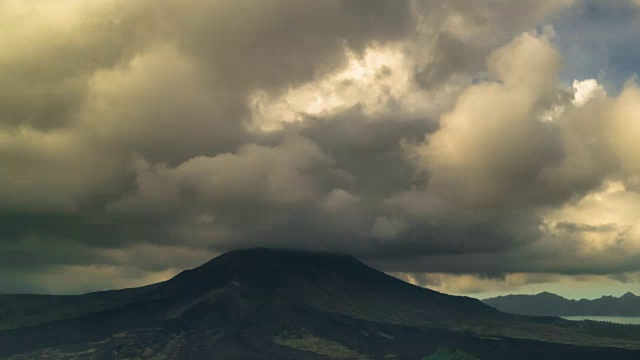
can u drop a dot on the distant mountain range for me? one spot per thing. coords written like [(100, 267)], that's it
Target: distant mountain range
[(271, 304), (548, 304)]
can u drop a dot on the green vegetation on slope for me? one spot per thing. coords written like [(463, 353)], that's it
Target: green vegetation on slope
[(447, 354), (304, 341)]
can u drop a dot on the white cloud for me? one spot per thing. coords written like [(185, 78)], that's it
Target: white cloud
[(586, 90)]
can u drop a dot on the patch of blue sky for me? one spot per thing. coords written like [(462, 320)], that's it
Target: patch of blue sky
[(600, 40)]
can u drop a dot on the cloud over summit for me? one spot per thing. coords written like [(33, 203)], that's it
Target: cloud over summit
[(423, 136)]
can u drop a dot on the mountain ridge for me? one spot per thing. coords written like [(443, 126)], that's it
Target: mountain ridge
[(549, 304), (280, 304)]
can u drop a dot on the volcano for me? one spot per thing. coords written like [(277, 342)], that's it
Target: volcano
[(277, 304)]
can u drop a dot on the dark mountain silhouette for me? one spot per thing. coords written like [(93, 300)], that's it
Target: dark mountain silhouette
[(268, 304), (547, 304)]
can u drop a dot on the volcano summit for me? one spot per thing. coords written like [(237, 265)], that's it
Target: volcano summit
[(276, 304)]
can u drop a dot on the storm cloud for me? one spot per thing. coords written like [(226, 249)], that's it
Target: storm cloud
[(438, 139)]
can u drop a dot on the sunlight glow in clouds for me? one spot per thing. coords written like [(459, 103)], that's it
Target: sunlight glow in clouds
[(600, 222), (382, 75)]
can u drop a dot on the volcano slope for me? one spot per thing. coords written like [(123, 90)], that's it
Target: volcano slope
[(275, 304)]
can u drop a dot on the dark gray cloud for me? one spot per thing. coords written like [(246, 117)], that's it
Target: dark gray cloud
[(140, 138)]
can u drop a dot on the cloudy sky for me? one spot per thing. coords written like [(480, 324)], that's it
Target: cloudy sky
[(475, 147)]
